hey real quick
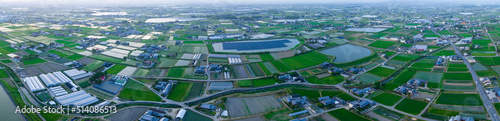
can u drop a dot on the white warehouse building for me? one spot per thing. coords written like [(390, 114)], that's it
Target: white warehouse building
[(76, 74), (33, 83), (80, 98)]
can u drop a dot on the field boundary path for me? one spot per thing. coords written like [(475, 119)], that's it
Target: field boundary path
[(430, 103), (496, 49)]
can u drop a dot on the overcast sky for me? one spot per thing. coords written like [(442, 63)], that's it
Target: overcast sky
[(229, 2)]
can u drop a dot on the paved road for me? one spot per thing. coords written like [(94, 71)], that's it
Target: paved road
[(486, 101)]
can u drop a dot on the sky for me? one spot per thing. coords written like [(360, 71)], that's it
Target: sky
[(228, 2)]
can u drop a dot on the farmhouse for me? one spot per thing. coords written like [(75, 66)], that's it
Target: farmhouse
[(296, 99), (208, 106), (289, 78), (420, 48), (360, 103), (362, 91), (153, 115), (326, 100), (460, 118)]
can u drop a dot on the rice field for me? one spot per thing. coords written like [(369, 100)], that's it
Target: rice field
[(459, 99), (176, 72), (386, 98), (345, 115), (141, 73), (178, 91), (280, 66), (115, 69), (411, 106), (382, 44), (368, 78), (305, 60), (33, 61), (381, 71)]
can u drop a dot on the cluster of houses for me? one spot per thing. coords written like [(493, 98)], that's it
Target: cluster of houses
[(87, 42), (211, 68), (290, 78), (440, 61), (327, 101), (360, 104), (296, 99), (150, 52), (334, 70), (410, 87), (460, 118), (164, 87), (362, 92), (75, 64), (154, 115)]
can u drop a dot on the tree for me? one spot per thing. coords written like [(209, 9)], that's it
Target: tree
[(224, 99), (377, 85)]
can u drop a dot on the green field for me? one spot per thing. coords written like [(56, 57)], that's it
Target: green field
[(193, 116), (264, 68), (402, 78), (176, 72), (382, 44), (141, 73), (178, 91), (386, 98), (405, 57), (106, 58), (74, 57), (411, 106), (196, 90), (457, 76), (445, 53), (280, 66), (326, 80), (7, 50), (497, 106), (61, 54), (115, 69), (311, 94), (193, 42), (459, 99), (305, 60), (3, 74), (381, 71), (263, 82), (345, 115), (244, 83), (93, 66), (488, 61), (442, 112), (6, 61), (33, 61), (266, 57), (136, 91)]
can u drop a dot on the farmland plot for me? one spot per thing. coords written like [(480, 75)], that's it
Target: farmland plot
[(246, 106)]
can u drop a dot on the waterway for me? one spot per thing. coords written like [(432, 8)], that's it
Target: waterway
[(8, 107)]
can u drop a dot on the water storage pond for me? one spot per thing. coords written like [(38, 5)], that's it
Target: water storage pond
[(347, 53)]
